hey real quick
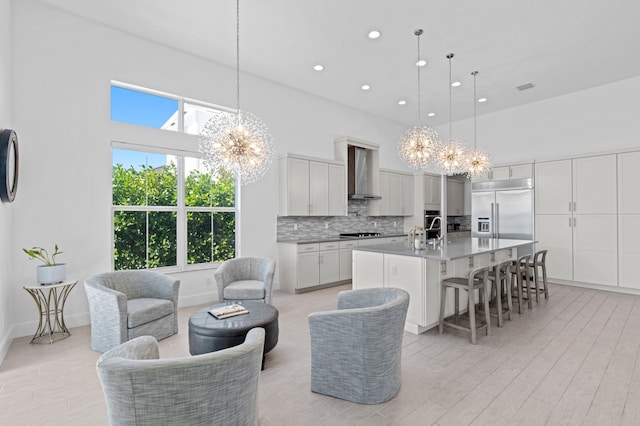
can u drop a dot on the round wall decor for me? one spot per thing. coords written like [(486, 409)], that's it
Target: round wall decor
[(8, 165)]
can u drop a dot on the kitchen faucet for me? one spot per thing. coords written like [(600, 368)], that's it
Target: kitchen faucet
[(438, 218)]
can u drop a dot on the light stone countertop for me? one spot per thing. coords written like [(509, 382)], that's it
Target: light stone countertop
[(448, 249)]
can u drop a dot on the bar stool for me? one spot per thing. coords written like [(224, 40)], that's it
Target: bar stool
[(475, 280), (501, 270), (539, 262), (520, 276)]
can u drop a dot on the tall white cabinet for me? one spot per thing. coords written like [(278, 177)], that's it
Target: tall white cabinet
[(576, 218), (629, 219)]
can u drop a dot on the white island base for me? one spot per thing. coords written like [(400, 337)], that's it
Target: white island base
[(419, 272)]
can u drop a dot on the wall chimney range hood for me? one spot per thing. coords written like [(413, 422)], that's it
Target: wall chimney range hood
[(358, 171)]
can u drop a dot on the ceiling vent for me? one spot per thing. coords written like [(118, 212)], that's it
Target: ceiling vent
[(525, 86)]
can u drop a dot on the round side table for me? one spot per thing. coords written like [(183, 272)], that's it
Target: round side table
[(50, 300)]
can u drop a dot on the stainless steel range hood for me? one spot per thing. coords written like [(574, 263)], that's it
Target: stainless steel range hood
[(358, 174)]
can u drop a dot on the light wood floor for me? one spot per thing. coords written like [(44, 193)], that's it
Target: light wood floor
[(572, 360)]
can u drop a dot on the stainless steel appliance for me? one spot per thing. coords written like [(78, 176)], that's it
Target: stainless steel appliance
[(503, 209), (432, 229)]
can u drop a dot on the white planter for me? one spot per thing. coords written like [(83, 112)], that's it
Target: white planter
[(51, 274)]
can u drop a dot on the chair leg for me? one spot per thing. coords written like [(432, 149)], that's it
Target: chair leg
[(456, 308), (487, 314), (544, 280), (535, 280), (443, 299), (508, 290), (472, 315), (498, 285)]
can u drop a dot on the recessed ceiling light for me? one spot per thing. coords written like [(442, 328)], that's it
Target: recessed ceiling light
[(402, 102), (374, 34), (431, 114), (365, 87), (318, 67), (421, 63), (482, 100), (456, 84)]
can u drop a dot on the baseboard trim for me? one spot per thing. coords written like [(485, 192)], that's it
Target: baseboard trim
[(625, 290), (5, 343), (198, 299)]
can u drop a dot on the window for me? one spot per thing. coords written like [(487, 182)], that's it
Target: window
[(167, 210)]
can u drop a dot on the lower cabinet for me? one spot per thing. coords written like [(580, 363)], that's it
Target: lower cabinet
[(302, 267)]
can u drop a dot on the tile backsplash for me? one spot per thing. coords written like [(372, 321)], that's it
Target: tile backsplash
[(306, 227)]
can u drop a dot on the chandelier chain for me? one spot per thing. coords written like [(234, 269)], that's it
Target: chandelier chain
[(238, 56), (475, 112), (450, 56), (419, 33)]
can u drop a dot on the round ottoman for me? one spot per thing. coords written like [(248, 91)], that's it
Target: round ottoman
[(209, 334)]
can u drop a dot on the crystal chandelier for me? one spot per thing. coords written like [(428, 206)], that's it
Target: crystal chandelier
[(238, 143), (419, 144), (478, 162), (452, 154)]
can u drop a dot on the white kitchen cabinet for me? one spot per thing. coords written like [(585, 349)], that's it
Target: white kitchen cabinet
[(311, 187), (304, 266), (576, 220), (553, 188), (406, 206), (395, 194), (595, 185), (628, 250), (515, 171), (329, 266), (337, 190), (455, 197), (318, 189), (431, 192), (555, 233), (308, 267), (629, 183), (595, 253), (396, 190), (346, 248), (500, 173)]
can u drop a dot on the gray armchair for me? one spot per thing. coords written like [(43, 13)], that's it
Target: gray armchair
[(356, 350), (217, 388), (245, 278), (128, 304)]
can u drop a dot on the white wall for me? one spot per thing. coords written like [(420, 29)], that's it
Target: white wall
[(63, 66), (6, 210)]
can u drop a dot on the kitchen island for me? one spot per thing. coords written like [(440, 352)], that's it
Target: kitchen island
[(419, 271)]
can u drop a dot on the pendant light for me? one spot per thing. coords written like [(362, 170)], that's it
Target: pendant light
[(478, 161), (451, 157), (419, 144), (238, 143)]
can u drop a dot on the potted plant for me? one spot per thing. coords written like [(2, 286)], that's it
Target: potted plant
[(51, 272)]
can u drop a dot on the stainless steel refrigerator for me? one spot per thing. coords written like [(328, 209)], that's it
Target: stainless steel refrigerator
[(503, 209)]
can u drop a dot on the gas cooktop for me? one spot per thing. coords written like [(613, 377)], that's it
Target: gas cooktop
[(359, 234)]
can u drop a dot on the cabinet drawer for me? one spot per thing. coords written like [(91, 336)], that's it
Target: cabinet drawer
[(333, 245), (305, 248), (347, 244)]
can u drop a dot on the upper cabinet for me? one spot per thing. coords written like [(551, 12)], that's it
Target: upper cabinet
[(396, 190), (553, 187), (455, 197), (514, 171), (311, 187), (432, 192)]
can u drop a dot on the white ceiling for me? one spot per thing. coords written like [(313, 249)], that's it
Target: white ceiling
[(560, 46)]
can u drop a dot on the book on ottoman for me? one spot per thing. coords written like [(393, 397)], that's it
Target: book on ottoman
[(228, 311)]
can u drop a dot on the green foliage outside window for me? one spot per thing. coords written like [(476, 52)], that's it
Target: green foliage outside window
[(210, 234)]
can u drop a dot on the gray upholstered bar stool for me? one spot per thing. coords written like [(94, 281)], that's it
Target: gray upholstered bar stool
[(502, 285), (475, 280), (538, 263), (520, 279)]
